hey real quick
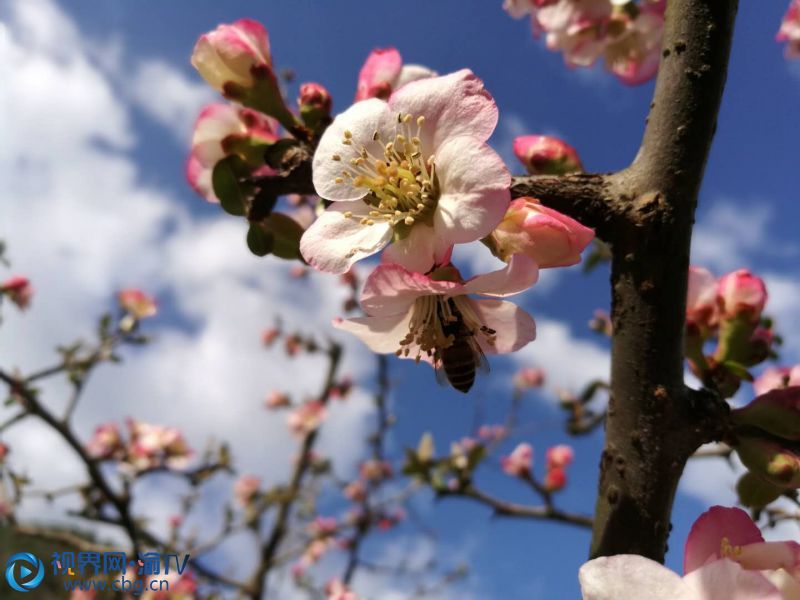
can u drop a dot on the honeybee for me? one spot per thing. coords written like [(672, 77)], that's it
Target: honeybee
[(459, 362)]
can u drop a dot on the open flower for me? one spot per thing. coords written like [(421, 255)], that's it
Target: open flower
[(420, 316), (519, 462), (725, 558), (222, 130), (415, 172), (790, 30), (384, 71)]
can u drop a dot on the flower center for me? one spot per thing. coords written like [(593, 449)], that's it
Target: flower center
[(728, 550), (435, 323), (402, 185)]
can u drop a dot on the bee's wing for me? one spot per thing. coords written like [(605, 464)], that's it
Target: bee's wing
[(441, 375), (481, 362)]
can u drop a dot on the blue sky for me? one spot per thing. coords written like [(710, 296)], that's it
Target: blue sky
[(113, 208)]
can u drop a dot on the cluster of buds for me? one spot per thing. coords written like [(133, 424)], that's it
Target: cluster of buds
[(728, 310), (293, 343), (520, 464), (236, 144), (790, 30), (626, 34), (306, 418), (545, 235), (147, 446), (18, 290)]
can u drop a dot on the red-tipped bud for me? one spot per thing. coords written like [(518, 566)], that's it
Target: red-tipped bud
[(741, 294), (546, 155), (19, 290)]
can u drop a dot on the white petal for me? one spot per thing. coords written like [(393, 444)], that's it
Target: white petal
[(475, 195), (517, 276), (420, 251), (362, 119), (628, 576), (513, 326), (453, 105), (391, 289), (381, 334), (725, 580), (334, 242), (411, 73)]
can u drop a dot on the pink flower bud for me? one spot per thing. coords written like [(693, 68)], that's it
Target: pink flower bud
[(545, 235), (316, 96), (306, 418), (4, 450), (336, 590), (769, 460), (519, 462), (222, 130), (323, 527), (106, 442), (276, 399), (246, 488), (19, 290), (790, 30), (701, 298), (777, 412), (233, 55), (136, 303), (355, 491), (546, 155), (559, 457), (555, 479), (292, 345), (383, 72), (741, 294), (175, 521), (529, 377), (268, 336), (776, 378), (375, 470)]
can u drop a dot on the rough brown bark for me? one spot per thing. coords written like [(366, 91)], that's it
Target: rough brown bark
[(654, 421)]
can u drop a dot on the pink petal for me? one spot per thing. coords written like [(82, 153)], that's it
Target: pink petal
[(420, 251), (453, 105), (362, 119), (381, 334), (334, 242), (705, 538), (762, 556), (517, 276), (726, 580), (629, 577), (513, 326), (391, 289), (379, 72), (474, 182)]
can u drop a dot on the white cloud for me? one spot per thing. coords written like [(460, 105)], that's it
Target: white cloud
[(80, 223), (783, 305), (732, 233), (169, 96)]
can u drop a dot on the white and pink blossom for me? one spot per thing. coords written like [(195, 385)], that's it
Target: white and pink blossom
[(550, 238), (220, 131), (725, 558), (306, 417), (384, 72), (106, 442), (408, 312), (520, 462), (414, 172), (790, 30), (775, 378), (137, 303), (152, 446)]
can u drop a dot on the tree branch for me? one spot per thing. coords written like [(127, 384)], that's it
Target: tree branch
[(653, 424)]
